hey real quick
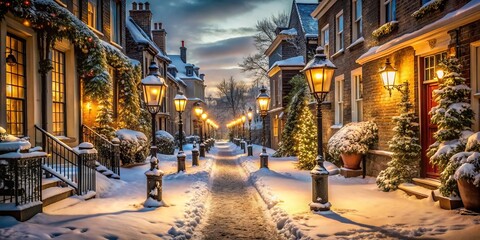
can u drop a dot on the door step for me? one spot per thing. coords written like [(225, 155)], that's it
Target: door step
[(415, 190), (430, 183), (54, 194)]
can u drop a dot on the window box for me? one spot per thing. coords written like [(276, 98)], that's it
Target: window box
[(429, 7), (385, 29)]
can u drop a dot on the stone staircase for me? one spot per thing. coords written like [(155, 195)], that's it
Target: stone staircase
[(54, 190), (425, 187)]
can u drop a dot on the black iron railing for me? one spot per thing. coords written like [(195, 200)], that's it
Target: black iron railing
[(66, 164), (108, 152), (21, 180)]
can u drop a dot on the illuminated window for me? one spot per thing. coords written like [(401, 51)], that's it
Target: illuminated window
[(58, 93), (325, 42), (94, 13), (357, 95), (339, 32), (16, 87), (357, 19), (429, 65), (275, 126)]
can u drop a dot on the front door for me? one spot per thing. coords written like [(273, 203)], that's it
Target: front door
[(427, 102)]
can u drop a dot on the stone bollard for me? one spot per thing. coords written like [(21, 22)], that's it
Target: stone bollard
[(319, 189), (181, 161), (243, 145), (263, 160), (195, 155), (154, 185), (250, 150), (202, 150)]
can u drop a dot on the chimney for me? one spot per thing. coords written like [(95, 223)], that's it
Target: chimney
[(159, 36), (141, 16), (183, 52)]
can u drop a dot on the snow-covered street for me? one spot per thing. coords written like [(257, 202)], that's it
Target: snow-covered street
[(235, 211)]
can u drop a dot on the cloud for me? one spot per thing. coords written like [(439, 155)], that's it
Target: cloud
[(227, 47)]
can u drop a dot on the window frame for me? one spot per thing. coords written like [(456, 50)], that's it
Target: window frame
[(326, 46), (357, 21), (94, 21), (115, 21), (339, 103), (356, 90), (275, 126), (392, 13), (58, 75), (339, 34)]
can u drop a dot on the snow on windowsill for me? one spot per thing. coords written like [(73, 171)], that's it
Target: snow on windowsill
[(356, 42), (339, 52), (336, 126)]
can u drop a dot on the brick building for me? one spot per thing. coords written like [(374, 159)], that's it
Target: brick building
[(21, 107), (286, 57), (414, 45)]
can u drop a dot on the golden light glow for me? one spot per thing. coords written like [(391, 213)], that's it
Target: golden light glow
[(26, 23), (154, 91), (243, 118), (204, 116), (198, 111), (89, 106), (440, 74), (250, 115)]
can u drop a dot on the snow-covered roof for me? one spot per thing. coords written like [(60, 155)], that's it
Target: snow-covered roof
[(139, 36), (291, 32), (176, 79), (182, 71), (308, 23), (467, 13), (289, 62)]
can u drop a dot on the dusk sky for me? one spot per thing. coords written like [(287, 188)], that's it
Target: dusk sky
[(217, 33)]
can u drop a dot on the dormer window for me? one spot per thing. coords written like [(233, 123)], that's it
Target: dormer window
[(189, 70)]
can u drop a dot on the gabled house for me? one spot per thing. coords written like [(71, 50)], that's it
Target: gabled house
[(287, 55)]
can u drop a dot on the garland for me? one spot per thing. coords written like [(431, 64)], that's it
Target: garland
[(385, 29), (54, 23), (429, 7)]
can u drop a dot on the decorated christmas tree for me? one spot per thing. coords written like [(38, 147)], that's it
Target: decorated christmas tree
[(405, 146), (306, 138), (296, 100), (104, 120), (453, 116)]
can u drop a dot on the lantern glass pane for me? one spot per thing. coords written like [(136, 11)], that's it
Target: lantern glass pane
[(388, 78), (153, 95)]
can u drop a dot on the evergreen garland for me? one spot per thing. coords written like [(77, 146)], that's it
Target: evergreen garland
[(405, 146), (453, 116)]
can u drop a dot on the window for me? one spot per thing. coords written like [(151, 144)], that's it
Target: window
[(16, 87), (388, 11), (58, 93), (94, 12), (339, 32), (357, 19), (357, 95), (325, 42), (275, 126), (115, 21), (339, 83), (425, 1), (429, 65), (279, 90)]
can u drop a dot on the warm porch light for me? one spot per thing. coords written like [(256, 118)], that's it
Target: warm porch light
[(440, 74), (180, 102), (319, 73), (154, 88), (388, 74), (263, 100)]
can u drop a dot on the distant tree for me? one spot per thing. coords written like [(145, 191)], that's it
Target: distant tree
[(233, 93), (257, 64)]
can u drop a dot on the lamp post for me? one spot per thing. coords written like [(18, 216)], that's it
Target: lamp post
[(250, 117), (180, 102), (203, 132), (243, 144), (154, 88), (263, 100), (199, 112), (319, 73)]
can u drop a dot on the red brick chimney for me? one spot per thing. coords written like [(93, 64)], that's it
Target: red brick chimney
[(142, 16), (159, 36)]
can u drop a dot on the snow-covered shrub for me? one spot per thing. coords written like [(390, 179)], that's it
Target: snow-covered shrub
[(192, 138), (177, 137), (134, 146), (165, 142), (405, 146), (385, 29), (453, 116), (429, 7), (355, 137)]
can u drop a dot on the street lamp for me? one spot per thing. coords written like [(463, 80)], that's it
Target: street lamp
[(250, 117), (263, 101), (154, 88), (388, 74), (180, 102), (203, 138), (319, 73), (198, 112)]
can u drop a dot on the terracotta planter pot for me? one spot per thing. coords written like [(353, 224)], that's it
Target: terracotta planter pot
[(351, 161), (470, 195)]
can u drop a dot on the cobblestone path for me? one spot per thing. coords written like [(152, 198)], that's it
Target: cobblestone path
[(234, 208)]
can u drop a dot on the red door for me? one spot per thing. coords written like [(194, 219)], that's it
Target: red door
[(428, 129)]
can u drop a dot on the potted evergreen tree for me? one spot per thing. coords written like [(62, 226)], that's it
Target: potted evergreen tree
[(351, 142)]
